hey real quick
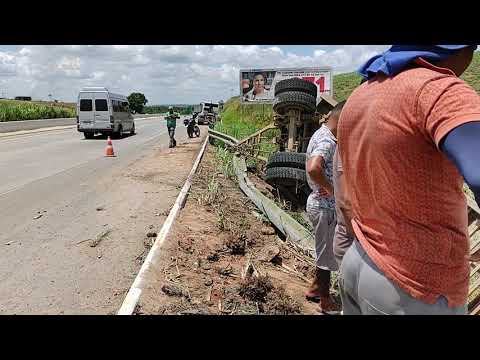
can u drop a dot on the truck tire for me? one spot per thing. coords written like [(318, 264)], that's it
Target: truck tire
[(296, 84), (285, 176), (89, 135), (297, 99), (287, 159)]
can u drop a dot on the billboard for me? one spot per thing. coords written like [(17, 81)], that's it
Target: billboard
[(258, 85)]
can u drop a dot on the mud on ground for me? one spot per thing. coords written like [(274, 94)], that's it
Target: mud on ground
[(222, 258)]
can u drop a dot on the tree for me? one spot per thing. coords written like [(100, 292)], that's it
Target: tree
[(137, 101)]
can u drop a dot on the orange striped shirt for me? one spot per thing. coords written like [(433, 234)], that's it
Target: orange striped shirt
[(410, 213)]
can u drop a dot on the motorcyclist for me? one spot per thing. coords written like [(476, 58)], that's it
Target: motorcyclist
[(191, 124), (171, 125)]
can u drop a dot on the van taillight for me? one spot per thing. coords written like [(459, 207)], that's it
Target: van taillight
[(111, 119)]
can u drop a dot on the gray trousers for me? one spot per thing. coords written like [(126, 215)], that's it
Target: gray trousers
[(323, 222), (365, 290), (341, 242), (171, 134)]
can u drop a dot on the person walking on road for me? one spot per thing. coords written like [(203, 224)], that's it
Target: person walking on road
[(321, 209), (171, 125), (408, 139)]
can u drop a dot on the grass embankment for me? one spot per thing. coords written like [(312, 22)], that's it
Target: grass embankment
[(240, 122), (12, 110)]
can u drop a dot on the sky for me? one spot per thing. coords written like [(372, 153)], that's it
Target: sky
[(170, 74)]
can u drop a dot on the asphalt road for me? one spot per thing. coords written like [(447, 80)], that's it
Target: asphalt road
[(10, 126), (52, 182)]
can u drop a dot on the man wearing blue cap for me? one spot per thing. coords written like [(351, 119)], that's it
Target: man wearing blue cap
[(408, 138)]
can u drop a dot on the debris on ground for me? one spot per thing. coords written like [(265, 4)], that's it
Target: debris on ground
[(151, 234), (269, 253), (172, 290), (236, 244), (221, 257), (100, 208), (278, 302), (102, 235), (213, 257), (268, 230), (255, 288), (37, 217)]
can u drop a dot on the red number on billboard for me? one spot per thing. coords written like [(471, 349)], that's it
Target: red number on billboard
[(321, 83)]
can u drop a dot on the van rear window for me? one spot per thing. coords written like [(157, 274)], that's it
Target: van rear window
[(85, 105), (101, 105)]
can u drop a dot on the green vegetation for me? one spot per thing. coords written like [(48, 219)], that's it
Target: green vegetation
[(160, 109), (344, 84), (136, 102), (225, 160), (12, 110), (241, 121), (472, 75)]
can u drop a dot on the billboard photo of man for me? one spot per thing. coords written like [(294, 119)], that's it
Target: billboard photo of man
[(260, 89)]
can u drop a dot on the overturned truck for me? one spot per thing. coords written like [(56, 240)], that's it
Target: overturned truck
[(298, 112)]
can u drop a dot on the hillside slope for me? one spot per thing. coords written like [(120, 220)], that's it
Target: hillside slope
[(241, 121)]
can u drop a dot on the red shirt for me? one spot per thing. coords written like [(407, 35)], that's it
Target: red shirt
[(410, 213)]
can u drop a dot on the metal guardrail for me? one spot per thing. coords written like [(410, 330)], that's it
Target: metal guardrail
[(227, 139), (251, 142)]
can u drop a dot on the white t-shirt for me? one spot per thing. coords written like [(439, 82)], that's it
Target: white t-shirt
[(263, 96)]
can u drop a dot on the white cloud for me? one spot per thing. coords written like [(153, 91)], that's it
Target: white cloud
[(165, 74)]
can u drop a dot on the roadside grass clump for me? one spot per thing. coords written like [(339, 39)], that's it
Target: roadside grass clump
[(225, 161), (11, 110), (212, 195)]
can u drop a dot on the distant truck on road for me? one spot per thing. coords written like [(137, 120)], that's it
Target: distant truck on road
[(100, 111), (206, 113)]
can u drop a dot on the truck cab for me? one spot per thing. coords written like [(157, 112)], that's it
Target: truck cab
[(206, 113)]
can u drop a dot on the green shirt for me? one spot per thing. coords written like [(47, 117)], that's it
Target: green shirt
[(172, 119)]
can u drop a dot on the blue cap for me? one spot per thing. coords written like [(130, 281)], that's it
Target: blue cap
[(454, 47)]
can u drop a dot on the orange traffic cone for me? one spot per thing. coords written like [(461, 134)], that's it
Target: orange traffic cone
[(109, 149)]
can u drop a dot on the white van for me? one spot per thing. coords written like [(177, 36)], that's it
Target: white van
[(100, 111)]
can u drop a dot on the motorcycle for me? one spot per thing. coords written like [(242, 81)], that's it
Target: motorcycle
[(192, 127)]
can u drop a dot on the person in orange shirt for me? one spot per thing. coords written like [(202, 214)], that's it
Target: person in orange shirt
[(408, 138)]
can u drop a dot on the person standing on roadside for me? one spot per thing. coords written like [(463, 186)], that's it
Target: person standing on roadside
[(408, 138), (171, 125), (321, 208)]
